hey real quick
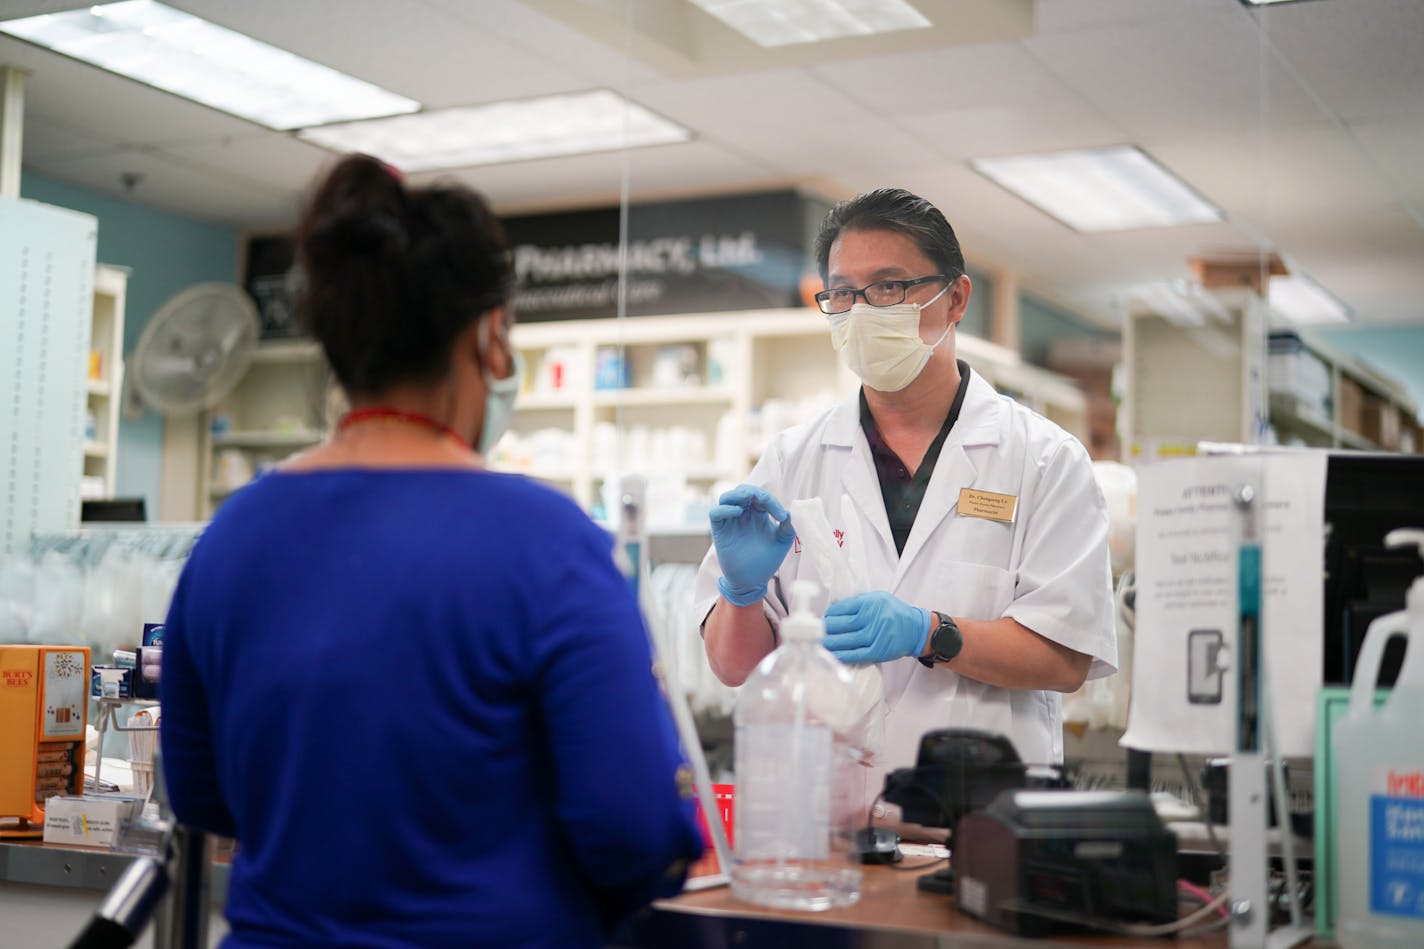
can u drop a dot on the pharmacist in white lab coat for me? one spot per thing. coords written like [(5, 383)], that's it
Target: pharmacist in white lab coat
[(984, 531)]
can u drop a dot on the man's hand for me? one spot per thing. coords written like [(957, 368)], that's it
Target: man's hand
[(875, 627), (752, 533)]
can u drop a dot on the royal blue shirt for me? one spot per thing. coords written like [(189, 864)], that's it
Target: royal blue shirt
[(422, 702)]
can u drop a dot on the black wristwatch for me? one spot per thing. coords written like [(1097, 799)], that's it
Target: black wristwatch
[(945, 642)]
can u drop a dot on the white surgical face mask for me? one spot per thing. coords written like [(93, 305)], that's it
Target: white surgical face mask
[(882, 345), (499, 401)]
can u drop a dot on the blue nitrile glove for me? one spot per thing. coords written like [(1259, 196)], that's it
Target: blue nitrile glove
[(752, 533), (875, 627)]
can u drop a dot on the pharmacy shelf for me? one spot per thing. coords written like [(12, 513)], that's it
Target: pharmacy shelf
[(621, 398), (559, 401), (267, 439), (93, 449), (287, 351), (98, 387)]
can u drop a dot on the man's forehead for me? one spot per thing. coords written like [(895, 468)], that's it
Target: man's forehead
[(875, 255)]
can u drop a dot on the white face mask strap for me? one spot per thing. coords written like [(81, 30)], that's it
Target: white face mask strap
[(930, 301)]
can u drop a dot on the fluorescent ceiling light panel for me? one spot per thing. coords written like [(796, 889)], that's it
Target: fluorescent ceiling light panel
[(572, 124), (1302, 300), (1100, 189), (190, 57), (784, 22)]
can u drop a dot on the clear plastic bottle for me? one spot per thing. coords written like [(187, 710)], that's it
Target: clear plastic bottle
[(1379, 762), (799, 777)]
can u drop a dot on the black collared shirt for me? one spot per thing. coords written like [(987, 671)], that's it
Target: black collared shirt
[(902, 491)]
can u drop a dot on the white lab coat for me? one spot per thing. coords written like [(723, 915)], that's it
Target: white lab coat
[(1049, 569)]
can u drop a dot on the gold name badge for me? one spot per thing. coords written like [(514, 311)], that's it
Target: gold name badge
[(988, 505)]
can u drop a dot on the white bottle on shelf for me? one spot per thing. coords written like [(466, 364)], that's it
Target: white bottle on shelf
[(1380, 767), (797, 800)]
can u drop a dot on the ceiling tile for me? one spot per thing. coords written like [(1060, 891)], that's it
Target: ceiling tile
[(1396, 146), (432, 53), (45, 138), (1062, 16), (799, 125), (1179, 77), (176, 185), (1363, 58)]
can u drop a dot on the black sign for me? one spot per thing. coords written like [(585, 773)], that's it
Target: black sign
[(741, 252)]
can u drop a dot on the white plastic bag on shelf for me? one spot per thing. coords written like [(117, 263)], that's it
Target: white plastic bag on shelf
[(160, 579), (113, 591), (676, 629), (17, 599), (59, 602), (840, 564)]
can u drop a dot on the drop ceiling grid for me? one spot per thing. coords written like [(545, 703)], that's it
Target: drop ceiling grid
[(1179, 78), (793, 122), (414, 49), (1364, 58), (189, 189)]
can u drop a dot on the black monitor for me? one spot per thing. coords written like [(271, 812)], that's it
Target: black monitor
[(1366, 497), (112, 509)]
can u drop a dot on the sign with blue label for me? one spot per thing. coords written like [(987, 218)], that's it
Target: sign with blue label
[(1397, 855)]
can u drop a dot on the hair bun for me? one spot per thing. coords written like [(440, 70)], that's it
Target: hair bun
[(376, 233)]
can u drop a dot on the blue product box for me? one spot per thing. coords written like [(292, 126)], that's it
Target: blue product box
[(152, 634)]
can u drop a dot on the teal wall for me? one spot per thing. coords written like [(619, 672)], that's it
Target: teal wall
[(166, 253), (1396, 351)]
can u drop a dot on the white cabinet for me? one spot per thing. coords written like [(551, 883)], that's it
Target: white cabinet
[(103, 383)]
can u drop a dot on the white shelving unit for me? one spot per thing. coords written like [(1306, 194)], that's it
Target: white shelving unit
[(1214, 381), (281, 406), (756, 372), (103, 382), (1192, 382), (1322, 399)]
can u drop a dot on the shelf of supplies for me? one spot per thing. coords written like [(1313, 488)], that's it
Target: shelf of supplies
[(93, 449), (714, 395), (287, 351), (1287, 411), (543, 401), (267, 439), (1349, 439), (562, 474), (690, 472), (97, 386)]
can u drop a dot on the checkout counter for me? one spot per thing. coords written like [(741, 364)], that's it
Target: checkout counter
[(892, 914)]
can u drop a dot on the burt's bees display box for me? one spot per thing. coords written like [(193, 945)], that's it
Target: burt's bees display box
[(44, 703)]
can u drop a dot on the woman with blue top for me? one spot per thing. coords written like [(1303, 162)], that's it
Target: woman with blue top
[(418, 693)]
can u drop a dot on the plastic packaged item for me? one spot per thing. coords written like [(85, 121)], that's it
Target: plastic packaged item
[(796, 773), (1380, 763), (839, 561)]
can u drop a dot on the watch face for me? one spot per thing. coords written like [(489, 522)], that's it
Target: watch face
[(946, 641)]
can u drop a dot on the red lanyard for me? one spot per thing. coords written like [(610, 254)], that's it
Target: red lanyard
[(396, 415)]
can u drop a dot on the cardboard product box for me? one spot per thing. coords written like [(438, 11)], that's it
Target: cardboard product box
[(92, 820), (1382, 423), (1352, 405)]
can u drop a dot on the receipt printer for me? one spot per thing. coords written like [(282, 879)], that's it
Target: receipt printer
[(1035, 862)]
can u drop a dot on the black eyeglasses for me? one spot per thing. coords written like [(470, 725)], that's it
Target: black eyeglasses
[(884, 293)]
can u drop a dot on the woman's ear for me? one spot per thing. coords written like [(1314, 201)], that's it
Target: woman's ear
[(494, 349)]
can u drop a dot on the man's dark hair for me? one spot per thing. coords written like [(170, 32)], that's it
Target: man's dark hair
[(393, 274), (893, 209)]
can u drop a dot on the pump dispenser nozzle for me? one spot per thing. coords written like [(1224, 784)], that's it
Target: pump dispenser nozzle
[(1404, 537), (803, 623)]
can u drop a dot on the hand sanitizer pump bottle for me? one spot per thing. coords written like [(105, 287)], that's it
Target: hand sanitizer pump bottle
[(797, 805), (1380, 774)]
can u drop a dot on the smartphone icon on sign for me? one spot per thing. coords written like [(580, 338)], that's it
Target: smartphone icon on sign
[(1203, 674)]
